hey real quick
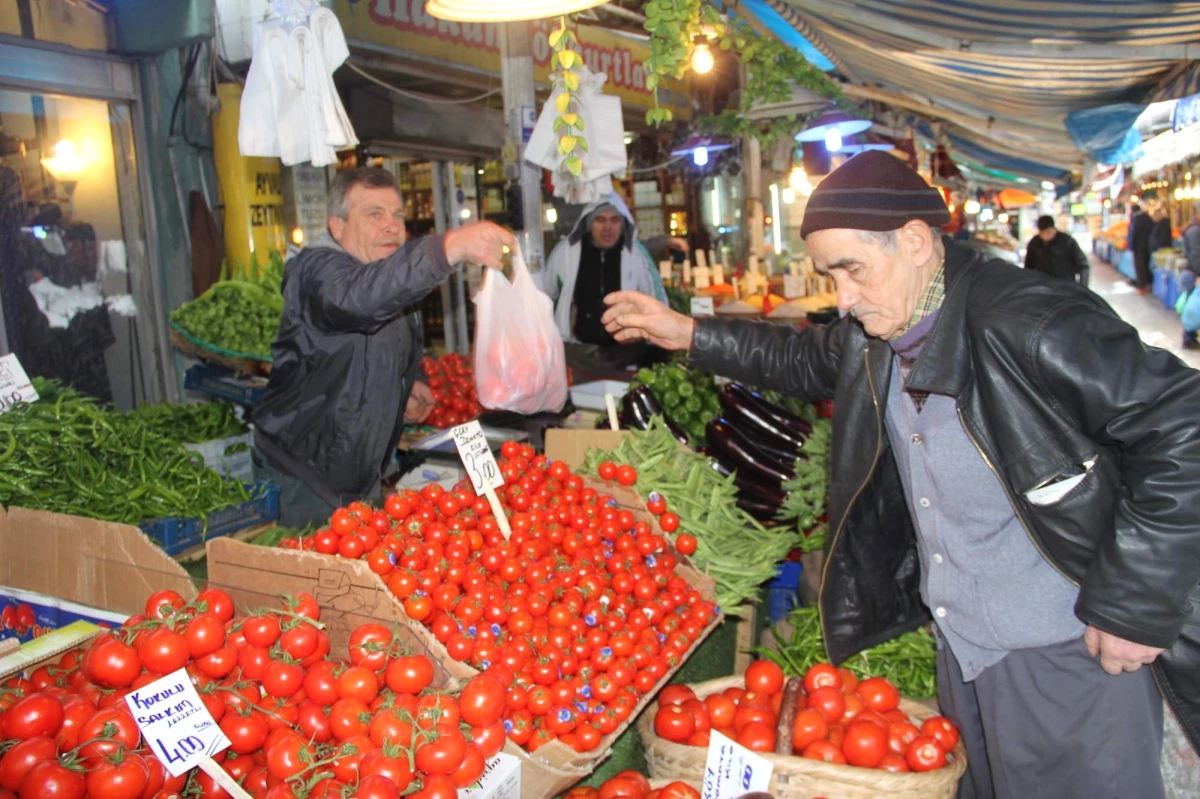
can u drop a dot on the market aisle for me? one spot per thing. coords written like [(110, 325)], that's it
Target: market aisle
[(1157, 325)]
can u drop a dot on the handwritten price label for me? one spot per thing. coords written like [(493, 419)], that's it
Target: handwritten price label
[(733, 770), (14, 383), (477, 457), (175, 723)]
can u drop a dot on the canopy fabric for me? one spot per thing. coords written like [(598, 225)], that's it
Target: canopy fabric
[(1003, 77), (1107, 133), (1183, 81)]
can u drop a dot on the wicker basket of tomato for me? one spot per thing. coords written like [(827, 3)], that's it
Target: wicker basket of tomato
[(826, 733)]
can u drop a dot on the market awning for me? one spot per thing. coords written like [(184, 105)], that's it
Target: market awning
[(1003, 76)]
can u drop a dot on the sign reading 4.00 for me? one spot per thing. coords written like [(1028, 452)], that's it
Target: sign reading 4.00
[(175, 722), (477, 457)]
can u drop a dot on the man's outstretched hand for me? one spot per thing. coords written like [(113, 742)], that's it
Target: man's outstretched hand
[(632, 315)]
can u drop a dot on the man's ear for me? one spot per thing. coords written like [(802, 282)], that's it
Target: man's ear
[(918, 238), (337, 226)]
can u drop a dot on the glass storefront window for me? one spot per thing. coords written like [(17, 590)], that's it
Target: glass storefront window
[(69, 234)]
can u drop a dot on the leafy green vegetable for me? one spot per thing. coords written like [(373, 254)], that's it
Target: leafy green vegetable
[(805, 494), (908, 661)]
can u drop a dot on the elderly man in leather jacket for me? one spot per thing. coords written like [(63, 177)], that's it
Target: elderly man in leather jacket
[(1007, 453)]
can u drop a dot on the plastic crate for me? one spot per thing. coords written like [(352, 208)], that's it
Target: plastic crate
[(175, 535), (236, 465), (217, 381), (783, 593)]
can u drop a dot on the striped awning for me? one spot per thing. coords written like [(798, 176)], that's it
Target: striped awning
[(1004, 75)]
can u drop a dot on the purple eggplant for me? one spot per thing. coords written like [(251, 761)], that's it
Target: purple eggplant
[(772, 418), (736, 450)]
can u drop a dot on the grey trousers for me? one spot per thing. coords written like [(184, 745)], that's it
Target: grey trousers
[(1049, 723)]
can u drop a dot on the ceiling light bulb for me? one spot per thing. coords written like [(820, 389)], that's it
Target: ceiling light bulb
[(971, 207), (1048, 185), (297, 236), (1002, 219), (1178, 193), (833, 140), (702, 59), (797, 178), (551, 215), (788, 195), (700, 156)]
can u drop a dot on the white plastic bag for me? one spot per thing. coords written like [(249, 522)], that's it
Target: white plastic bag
[(519, 361)]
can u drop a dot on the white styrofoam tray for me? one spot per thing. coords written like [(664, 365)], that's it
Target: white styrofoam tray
[(591, 395)]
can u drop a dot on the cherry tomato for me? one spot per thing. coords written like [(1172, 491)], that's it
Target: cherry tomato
[(607, 470), (669, 522), (685, 543), (626, 475)]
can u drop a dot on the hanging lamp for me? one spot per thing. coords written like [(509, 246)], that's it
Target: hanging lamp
[(865, 142), (494, 11), (699, 147), (833, 127)]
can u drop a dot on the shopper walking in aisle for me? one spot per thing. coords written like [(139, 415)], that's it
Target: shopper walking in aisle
[(1191, 245), (345, 372), (1140, 227), (1006, 452), (1056, 254), (1161, 234)]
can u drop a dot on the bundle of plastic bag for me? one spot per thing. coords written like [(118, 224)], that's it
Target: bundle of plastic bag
[(519, 360)]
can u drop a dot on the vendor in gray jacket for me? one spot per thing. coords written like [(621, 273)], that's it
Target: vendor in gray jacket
[(1007, 454), (345, 373)]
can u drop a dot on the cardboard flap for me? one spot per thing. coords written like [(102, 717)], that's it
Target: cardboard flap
[(570, 446), (100, 564)]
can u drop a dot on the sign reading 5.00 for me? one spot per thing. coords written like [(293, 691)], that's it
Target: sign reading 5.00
[(477, 457), (175, 722)]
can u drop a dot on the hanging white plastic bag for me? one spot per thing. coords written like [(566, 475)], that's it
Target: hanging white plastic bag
[(519, 360)]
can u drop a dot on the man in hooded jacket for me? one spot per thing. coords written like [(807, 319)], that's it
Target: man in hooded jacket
[(345, 371), (600, 255)]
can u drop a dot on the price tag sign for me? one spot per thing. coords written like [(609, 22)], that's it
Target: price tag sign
[(501, 780), (175, 723), (702, 306), (477, 457), (14, 383), (794, 286), (733, 770)]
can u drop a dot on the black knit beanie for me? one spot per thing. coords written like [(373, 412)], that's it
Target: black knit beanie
[(873, 191)]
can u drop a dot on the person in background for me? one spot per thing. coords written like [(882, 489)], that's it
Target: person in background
[(600, 255), (345, 373), (1140, 227), (1191, 245), (1161, 235), (1056, 254), (1011, 455)]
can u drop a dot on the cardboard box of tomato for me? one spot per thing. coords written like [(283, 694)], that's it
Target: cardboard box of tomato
[(56, 569), (350, 594)]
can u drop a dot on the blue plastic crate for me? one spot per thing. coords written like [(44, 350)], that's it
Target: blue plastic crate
[(217, 381), (783, 593), (175, 535)]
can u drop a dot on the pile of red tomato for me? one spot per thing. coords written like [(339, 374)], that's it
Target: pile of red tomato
[(837, 719), (633, 785), (452, 382), (581, 611), (300, 724)]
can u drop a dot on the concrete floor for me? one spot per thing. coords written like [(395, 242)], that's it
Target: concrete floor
[(1157, 325)]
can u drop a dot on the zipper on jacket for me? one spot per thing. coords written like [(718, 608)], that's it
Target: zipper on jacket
[(874, 462), (1016, 510)]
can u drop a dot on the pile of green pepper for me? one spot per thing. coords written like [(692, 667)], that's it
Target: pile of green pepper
[(194, 423), (68, 453), (908, 661), (731, 546)]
